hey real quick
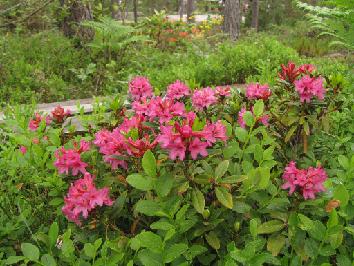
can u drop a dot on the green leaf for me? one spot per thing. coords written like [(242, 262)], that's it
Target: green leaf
[(140, 182), (270, 227), (311, 247), (221, 169), (343, 161), (213, 240), (318, 231), (150, 208), (198, 200), (30, 251), (264, 177), (234, 179), (275, 243), (258, 108), (254, 227), (149, 163), (224, 197), (48, 260), (169, 234), (305, 222), (290, 133), (90, 250), (333, 219), (53, 234), (149, 258), (150, 241), (194, 251), (13, 259), (164, 184), (249, 118), (241, 134), (336, 240), (341, 194), (162, 225), (174, 251)]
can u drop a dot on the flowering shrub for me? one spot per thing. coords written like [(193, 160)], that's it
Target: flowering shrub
[(188, 177)]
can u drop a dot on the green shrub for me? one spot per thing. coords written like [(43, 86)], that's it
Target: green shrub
[(39, 66), (234, 62)]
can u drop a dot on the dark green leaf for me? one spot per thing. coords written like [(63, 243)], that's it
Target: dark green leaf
[(174, 251)]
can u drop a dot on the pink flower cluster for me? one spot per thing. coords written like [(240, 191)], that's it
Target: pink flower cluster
[(309, 87), (258, 91), (70, 160), (83, 197), (58, 115), (291, 72), (203, 98), (175, 125), (177, 90), (118, 144), (309, 181), (223, 92), (264, 119), (163, 109), (36, 121), (139, 88), (180, 138)]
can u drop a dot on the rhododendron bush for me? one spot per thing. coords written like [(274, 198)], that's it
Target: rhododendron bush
[(190, 176)]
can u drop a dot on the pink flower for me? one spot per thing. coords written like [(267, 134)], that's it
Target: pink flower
[(111, 145), (83, 197), (309, 181), (314, 183), (23, 150), (177, 90), (34, 123), (69, 160), (59, 114), (180, 138), (198, 147), (240, 120), (83, 146), (215, 131), (289, 73), (307, 68), (222, 92), (177, 149), (264, 119), (258, 91), (203, 98), (290, 176), (308, 87), (163, 109), (140, 87)]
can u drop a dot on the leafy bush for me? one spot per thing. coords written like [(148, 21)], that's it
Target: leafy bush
[(233, 63), (186, 177), (38, 66)]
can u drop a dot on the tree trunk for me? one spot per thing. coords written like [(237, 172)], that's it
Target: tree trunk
[(190, 10), (78, 11), (255, 14), (135, 10), (181, 9), (232, 18)]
